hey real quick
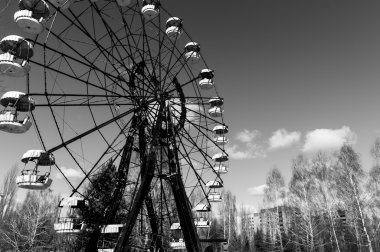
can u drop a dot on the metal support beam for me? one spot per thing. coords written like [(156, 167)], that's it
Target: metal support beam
[(147, 172), (121, 183), (156, 239), (183, 207)]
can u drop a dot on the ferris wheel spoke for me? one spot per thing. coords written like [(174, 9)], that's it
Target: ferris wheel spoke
[(70, 76), (185, 155), (130, 36), (144, 88), (110, 147), (191, 80), (112, 36), (120, 153), (206, 118), (201, 129), (88, 64), (87, 97), (164, 51), (93, 168), (62, 139), (148, 50), (98, 127), (83, 104), (81, 28), (64, 176), (85, 82), (201, 151)]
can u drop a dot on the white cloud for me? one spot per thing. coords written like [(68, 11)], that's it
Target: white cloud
[(247, 136), (248, 148), (282, 138), (328, 139), (69, 173), (258, 190)]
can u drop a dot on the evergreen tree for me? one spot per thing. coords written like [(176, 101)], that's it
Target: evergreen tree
[(259, 241)]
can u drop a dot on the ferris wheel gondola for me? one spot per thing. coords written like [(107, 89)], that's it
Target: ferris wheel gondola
[(150, 9), (174, 27), (192, 52), (69, 220), (14, 61), (14, 103), (207, 79), (31, 16), (33, 178)]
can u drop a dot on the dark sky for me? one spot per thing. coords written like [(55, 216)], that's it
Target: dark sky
[(294, 65), (297, 76)]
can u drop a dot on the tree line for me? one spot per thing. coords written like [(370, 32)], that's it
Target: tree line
[(330, 204)]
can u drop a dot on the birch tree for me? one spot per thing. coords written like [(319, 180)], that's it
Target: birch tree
[(322, 171), (246, 230), (8, 191), (229, 220), (349, 175), (302, 189), (373, 192), (274, 193), (30, 226)]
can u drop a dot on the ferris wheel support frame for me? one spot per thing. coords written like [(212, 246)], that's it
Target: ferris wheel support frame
[(156, 242), (183, 207), (147, 174), (121, 183), (148, 157)]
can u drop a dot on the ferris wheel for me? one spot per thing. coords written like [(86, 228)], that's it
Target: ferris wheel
[(122, 83)]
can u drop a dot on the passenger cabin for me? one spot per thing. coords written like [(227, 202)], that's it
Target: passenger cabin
[(177, 242), (69, 220), (216, 104), (17, 46), (16, 53), (9, 122), (220, 129), (178, 245), (18, 100), (31, 16), (220, 163), (219, 134), (174, 27), (12, 66), (33, 179), (220, 157), (192, 52), (220, 140), (214, 184), (15, 102), (220, 168), (111, 228), (202, 208), (214, 197), (150, 10), (110, 234), (207, 79), (202, 223)]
